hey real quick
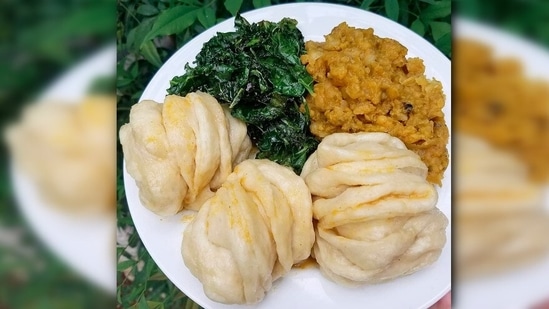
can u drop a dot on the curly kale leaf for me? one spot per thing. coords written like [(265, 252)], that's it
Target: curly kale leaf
[(257, 71)]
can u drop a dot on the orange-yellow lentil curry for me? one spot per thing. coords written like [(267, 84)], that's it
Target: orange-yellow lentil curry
[(365, 83), (497, 101)]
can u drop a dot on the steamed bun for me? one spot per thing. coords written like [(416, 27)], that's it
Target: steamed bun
[(500, 221), (376, 211), (257, 225), (66, 149), (181, 151)]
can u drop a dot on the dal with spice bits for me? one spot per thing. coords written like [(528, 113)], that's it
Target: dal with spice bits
[(365, 83)]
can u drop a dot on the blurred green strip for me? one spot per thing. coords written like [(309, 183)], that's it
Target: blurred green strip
[(529, 19)]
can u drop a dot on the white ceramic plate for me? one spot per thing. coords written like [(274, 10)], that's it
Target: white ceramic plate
[(85, 244), (527, 286), (302, 288)]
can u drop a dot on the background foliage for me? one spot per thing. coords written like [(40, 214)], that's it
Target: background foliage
[(148, 33), (39, 41), (529, 19)]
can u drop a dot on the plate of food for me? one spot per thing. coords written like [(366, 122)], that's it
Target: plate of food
[(297, 155), (494, 273), (63, 192)]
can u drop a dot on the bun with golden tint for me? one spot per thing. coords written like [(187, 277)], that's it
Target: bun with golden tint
[(376, 212), (181, 151), (257, 225)]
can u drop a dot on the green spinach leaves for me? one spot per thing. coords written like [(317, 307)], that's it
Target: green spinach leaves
[(257, 71)]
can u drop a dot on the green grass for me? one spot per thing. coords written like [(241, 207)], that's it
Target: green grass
[(529, 19), (148, 33)]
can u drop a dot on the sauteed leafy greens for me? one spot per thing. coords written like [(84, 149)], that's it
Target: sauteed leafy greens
[(257, 71)]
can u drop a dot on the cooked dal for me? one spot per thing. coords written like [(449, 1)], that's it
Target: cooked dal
[(365, 83), (495, 100)]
